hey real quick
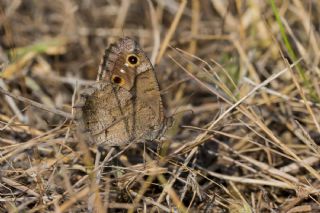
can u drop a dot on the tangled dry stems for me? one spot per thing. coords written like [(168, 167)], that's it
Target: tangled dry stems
[(242, 87)]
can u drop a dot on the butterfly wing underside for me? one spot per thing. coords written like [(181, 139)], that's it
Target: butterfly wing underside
[(116, 113)]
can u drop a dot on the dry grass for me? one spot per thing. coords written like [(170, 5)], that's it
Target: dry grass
[(240, 78)]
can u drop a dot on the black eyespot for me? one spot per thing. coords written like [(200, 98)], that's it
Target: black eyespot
[(133, 59), (116, 80)]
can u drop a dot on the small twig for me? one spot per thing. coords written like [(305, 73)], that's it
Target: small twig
[(156, 32), (171, 30), (19, 186), (38, 105), (12, 104)]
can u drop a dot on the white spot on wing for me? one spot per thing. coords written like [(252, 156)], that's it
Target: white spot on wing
[(122, 71)]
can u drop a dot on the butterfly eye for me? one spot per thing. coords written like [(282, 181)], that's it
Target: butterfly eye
[(117, 79), (133, 59)]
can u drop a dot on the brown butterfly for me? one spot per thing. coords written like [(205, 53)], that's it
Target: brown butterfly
[(125, 104)]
